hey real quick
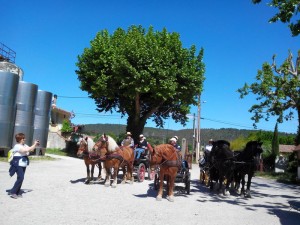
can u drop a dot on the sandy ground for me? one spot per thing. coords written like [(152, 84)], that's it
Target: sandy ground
[(55, 193)]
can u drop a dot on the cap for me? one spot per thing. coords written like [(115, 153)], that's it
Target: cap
[(173, 139), (141, 135), (128, 133)]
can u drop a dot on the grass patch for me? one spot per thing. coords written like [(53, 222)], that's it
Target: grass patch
[(56, 151), (287, 178)]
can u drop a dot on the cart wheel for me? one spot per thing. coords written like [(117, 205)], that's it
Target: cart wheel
[(141, 172), (156, 182), (151, 173)]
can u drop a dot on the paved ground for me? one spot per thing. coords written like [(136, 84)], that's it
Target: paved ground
[(55, 194)]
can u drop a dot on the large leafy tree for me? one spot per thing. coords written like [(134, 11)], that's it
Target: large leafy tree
[(143, 74), (287, 10), (277, 90)]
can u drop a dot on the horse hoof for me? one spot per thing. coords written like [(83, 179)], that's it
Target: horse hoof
[(106, 184), (86, 181), (170, 198), (113, 186), (158, 198), (123, 182)]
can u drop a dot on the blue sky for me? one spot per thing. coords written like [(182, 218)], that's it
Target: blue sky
[(236, 36)]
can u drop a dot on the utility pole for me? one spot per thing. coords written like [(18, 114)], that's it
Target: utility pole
[(198, 130)]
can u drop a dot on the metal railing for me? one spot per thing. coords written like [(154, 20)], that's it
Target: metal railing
[(7, 54)]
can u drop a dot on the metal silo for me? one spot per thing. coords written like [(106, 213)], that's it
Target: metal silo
[(25, 103), (42, 118), (8, 92)]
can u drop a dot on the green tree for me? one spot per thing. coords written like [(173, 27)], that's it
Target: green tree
[(277, 91), (66, 126), (144, 74), (288, 9), (275, 141)]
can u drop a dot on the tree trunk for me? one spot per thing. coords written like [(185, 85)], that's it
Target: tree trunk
[(297, 139), (136, 127)]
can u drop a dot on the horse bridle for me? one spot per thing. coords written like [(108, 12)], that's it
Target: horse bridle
[(84, 148)]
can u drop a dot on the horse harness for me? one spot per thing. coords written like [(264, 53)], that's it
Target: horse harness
[(170, 163)]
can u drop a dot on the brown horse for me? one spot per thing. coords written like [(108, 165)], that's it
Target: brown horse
[(90, 158), (168, 160), (115, 157)]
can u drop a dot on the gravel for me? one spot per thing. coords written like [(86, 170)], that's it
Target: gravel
[(55, 193)]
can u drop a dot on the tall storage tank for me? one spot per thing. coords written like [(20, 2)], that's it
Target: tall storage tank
[(25, 102), (8, 92), (41, 119)]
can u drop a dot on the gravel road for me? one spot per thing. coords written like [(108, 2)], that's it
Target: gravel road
[(55, 193)]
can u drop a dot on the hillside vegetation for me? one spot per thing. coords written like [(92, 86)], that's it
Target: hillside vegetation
[(164, 134)]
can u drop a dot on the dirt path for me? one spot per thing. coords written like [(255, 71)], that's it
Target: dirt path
[(55, 194)]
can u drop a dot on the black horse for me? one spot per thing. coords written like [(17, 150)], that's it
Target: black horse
[(221, 165), (246, 163)]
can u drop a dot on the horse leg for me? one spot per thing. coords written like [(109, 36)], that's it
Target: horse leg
[(92, 171), (124, 175), (161, 182), (88, 178), (243, 184), (129, 173), (171, 182), (247, 193), (107, 177), (115, 176), (100, 169)]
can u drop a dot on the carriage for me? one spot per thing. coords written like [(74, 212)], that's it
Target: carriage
[(183, 176), (141, 167)]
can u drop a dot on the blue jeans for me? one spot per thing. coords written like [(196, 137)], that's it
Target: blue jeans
[(20, 177), (138, 152)]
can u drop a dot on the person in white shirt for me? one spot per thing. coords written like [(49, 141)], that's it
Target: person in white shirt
[(19, 163)]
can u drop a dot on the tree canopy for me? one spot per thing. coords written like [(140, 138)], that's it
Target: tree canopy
[(277, 90), (142, 73), (288, 9)]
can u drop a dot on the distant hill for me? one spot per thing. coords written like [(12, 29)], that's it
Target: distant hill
[(164, 134)]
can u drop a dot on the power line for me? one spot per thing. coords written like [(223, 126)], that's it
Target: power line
[(60, 96)]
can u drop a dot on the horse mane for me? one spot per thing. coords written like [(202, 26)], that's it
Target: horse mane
[(112, 144), (89, 142)]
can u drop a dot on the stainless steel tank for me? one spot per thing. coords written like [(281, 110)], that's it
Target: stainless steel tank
[(8, 92), (25, 102), (42, 118)]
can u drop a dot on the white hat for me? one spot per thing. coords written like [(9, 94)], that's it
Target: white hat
[(141, 135), (128, 133), (211, 140), (173, 139)]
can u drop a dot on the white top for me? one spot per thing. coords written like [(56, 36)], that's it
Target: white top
[(208, 148), (17, 148)]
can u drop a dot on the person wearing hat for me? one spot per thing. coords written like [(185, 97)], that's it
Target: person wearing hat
[(207, 149), (128, 141), (141, 146), (173, 141)]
